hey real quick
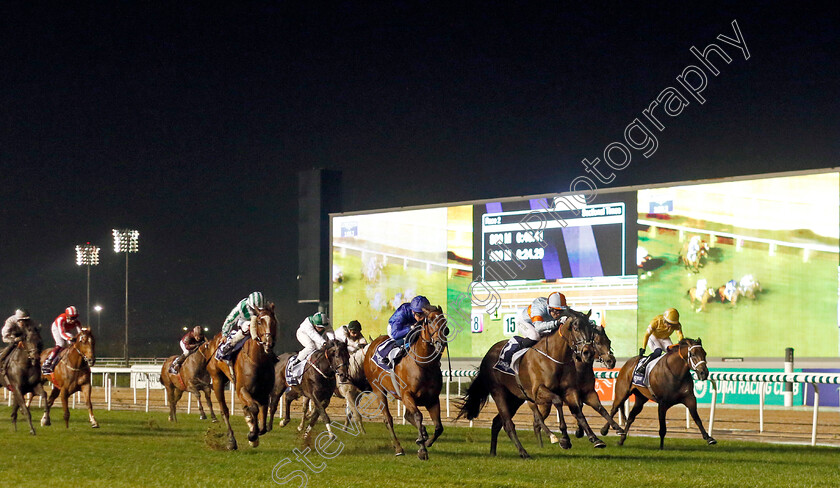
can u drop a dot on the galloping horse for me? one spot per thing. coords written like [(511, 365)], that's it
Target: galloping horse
[(732, 297), (317, 385), (23, 374), (700, 300), (253, 373), (71, 374), (693, 262), (192, 377), (670, 383), (416, 380), (586, 390), (546, 376)]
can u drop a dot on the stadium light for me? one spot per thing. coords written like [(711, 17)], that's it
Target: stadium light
[(87, 255), (98, 310), (125, 240)]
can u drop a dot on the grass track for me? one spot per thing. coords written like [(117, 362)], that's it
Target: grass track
[(143, 449)]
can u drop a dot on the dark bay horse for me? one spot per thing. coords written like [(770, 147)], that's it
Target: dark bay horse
[(670, 383), (23, 374), (586, 389), (192, 377), (72, 374), (254, 374), (416, 380), (317, 385), (546, 376)]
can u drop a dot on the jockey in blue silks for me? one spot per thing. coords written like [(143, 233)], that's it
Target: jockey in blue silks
[(405, 317)]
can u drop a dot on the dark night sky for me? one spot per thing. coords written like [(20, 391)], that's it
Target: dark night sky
[(191, 125)]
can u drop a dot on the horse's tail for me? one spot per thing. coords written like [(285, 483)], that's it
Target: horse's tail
[(476, 397)]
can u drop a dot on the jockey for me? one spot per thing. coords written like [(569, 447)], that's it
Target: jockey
[(237, 325), (351, 334), (642, 257), (541, 318), (658, 335), (405, 317), (729, 290), (693, 248), (189, 344), (313, 333), (64, 329), (14, 331), (701, 288)]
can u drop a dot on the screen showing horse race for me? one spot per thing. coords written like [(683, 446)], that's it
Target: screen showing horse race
[(752, 265)]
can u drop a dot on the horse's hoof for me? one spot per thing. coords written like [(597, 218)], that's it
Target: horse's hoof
[(400, 453), (711, 441), (202, 417), (598, 444), (565, 443), (605, 430), (423, 455), (94, 425), (255, 443), (578, 433), (554, 439), (282, 423), (524, 455), (215, 420), (621, 440), (45, 422)]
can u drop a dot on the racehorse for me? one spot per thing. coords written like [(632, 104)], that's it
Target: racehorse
[(316, 385), (72, 374), (192, 377), (749, 287), (22, 374), (586, 390), (546, 375), (253, 373), (692, 260), (733, 298), (351, 389), (670, 383), (416, 380), (701, 300)]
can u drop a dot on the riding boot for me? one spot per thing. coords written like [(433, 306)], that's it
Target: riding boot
[(176, 364), (505, 362), (49, 364)]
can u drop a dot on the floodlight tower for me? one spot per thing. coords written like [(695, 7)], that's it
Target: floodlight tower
[(87, 255), (125, 240)]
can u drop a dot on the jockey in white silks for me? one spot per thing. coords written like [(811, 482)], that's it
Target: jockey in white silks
[(729, 290), (693, 249), (313, 333), (351, 334), (700, 289), (539, 319)]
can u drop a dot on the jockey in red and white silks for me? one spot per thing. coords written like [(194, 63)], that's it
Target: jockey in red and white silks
[(64, 329)]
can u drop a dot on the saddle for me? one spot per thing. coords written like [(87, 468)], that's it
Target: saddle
[(388, 354), (236, 348), (295, 368), (641, 375)]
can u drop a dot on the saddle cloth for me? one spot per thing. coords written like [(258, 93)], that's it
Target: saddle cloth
[(294, 369), (644, 380), (232, 353), (514, 360), (380, 357)]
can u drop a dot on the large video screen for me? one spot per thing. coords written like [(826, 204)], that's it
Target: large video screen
[(752, 266)]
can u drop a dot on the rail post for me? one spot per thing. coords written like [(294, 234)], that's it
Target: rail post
[(788, 392)]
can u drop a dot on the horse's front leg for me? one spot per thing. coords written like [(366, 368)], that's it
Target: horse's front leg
[(593, 401), (219, 391), (206, 391), (434, 413), (65, 405), (690, 403), (86, 391), (45, 420), (389, 421), (413, 415), (252, 416), (306, 403), (574, 404)]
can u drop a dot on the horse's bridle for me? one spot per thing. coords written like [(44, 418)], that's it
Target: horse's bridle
[(438, 344), (689, 357), (576, 345)]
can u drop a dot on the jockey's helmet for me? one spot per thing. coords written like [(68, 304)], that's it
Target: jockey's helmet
[(197, 331), (557, 300), (256, 300), (418, 303), (672, 316), (71, 312), (354, 325), (319, 320), (21, 314)]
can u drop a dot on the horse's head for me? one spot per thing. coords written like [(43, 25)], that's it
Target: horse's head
[(264, 331), (32, 343), (339, 358), (695, 356), (433, 333), (85, 345), (604, 347), (580, 335)]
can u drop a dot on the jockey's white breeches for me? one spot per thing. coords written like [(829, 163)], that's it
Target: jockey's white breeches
[(309, 346), (656, 343), (59, 339), (527, 330)]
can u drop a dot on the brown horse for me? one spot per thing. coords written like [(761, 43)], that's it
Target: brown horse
[(586, 390), (192, 377), (253, 371), (22, 374), (670, 383), (701, 301), (72, 374), (416, 380), (317, 385), (693, 263), (546, 375)]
